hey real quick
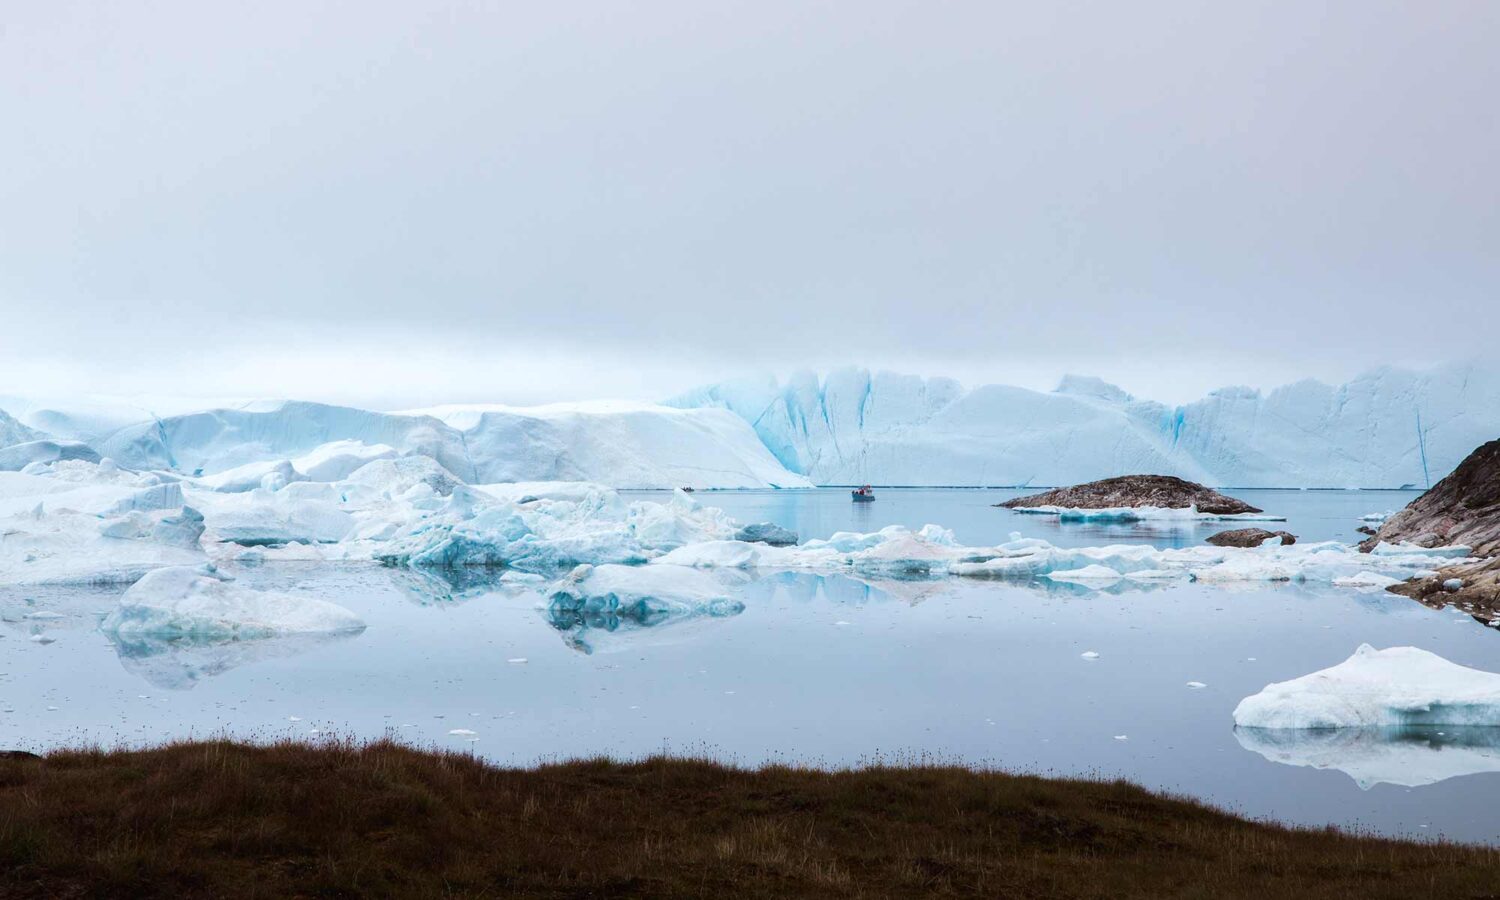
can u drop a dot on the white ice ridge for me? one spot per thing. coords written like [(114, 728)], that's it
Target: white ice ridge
[(625, 445), (1142, 514), (898, 552), (1398, 686), (1387, 428), (195, 602)]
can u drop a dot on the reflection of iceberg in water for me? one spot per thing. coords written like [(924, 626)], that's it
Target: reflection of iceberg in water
[(1408, 756), (180, 663), (614, 607), (458, 584)]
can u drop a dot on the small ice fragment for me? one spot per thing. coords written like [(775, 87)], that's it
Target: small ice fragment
[(1122, 737), (1453, 584), (841, 622), (519, 660), (1089, 654), (41, 639), (1195, 685), (462, 732), (294, 718), (51, 708)]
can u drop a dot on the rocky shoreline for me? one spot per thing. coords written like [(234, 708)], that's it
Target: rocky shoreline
[(1135, 491), (1462, 509)]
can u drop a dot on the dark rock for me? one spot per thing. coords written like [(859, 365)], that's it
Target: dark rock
[(1164, 491), (1250, 537), (1463, 508), (767, 533), (1365, 529)]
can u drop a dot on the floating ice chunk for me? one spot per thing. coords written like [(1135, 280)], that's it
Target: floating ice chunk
[(1196, 685), (600, 607), (1377, 516), (1122, 737), (1366, 580), (1094, 574), (272, 517), (1089, 654), (651, 588), (1385, 548), (462, 732), (250, 476), (767, 533), (195, 602), (1396, 686), (517, 661)]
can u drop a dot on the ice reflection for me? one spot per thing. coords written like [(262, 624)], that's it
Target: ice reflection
[(178, 664), (1408, 756)]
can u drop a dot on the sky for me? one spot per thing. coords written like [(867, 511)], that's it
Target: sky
[(396, 204)]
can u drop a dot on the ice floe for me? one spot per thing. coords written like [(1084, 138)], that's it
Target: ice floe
[(197, 602), (1397, 686)]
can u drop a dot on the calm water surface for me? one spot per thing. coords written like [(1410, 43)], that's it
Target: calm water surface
[(827, 670)]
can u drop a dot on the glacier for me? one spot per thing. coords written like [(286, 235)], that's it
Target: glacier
[(627, 445), (1387, 428)]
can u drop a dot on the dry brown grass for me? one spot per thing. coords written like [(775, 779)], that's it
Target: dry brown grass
[(226, 820)]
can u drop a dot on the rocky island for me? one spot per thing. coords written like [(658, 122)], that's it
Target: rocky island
[(1135, 491), (1463, 508)]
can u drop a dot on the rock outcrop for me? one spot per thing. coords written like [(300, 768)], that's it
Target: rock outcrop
[(1162, 491), (1250, 537), (1463, 508)]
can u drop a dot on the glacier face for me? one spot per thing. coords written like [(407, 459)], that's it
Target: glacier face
[(1387, 428), (623, 445)]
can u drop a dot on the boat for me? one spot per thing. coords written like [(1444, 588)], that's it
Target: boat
[(863, 495)]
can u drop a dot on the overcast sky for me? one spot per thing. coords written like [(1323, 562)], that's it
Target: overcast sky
[(398, 203)]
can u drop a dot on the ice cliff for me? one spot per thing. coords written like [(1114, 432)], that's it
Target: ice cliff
[(623, 445), (1387, 428)]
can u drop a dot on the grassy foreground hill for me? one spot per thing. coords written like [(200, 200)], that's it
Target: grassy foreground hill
[(220, 819)]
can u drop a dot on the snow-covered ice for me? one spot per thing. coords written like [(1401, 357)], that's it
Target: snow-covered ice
[(1395, 686)]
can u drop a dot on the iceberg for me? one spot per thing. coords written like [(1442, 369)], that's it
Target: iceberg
[(541, 534), (614, 607), (623, 445), (1387, 428), (196, 602), (20, 456), (1405, 756), (1398, 686)]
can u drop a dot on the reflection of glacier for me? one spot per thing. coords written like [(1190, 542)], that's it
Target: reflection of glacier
[(180, 663), (1409, 756)]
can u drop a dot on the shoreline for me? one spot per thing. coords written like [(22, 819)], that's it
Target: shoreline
[(344, 819)]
